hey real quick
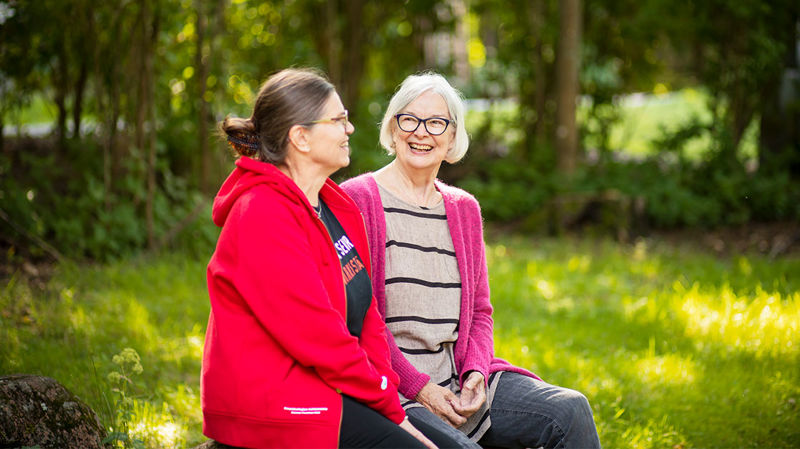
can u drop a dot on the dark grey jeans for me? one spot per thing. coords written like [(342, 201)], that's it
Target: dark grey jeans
[(525, 413)]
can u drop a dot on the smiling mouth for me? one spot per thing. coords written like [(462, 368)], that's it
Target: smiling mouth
[(420, 147)]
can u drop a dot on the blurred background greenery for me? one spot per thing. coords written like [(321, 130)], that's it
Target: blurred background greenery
[(658, 114), (595, 125)]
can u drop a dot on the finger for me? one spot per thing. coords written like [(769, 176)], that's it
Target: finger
[(456, 419), (449, 396), (466, 409), (449, 414), (458, 405)]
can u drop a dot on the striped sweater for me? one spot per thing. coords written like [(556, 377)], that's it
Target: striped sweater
[(474, 348)]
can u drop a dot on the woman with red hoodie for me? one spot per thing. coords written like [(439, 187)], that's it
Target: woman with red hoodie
[(295, 351)]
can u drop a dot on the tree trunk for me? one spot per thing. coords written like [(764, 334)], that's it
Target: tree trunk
[(209, 26), (779, 140), (349, 29), (201, 62), (536, 19), (145, 109), (460, 51), (77, 106), (152, 41), (61, 77), (353, 62), (567, 67), (331, 42)]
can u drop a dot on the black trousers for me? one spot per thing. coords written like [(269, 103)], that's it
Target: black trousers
[(363, 427)]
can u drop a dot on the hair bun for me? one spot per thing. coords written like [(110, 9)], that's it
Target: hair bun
[(244, 143)]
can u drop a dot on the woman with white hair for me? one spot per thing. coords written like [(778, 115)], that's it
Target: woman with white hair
[(430, 279)]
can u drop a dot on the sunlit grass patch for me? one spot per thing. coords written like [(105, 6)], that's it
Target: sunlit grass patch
[(87, 314), (668, 369), (673, 347), (156, 427), (762, 323)]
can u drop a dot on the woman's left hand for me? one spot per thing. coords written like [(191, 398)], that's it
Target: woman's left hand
[(473, 395)]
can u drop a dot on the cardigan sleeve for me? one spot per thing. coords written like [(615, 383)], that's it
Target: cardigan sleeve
[(480, 344)]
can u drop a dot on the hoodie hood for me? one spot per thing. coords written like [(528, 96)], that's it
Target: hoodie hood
[(249, 173)]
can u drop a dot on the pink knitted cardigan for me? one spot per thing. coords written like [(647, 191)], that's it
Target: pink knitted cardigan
[(474, 349)]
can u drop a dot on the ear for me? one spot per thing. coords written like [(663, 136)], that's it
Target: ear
[(298, 136)]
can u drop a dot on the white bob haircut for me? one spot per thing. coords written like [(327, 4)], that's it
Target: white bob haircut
[(411, 88)]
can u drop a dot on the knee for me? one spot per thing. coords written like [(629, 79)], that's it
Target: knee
[(576, 409)]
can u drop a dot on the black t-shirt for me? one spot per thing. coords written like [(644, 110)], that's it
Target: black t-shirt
[(356, 280)]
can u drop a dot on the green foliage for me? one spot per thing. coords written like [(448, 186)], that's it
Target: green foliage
[(128, 365), (87, 324), (80, 216), (671, 160), (673, 347), (84, 63)]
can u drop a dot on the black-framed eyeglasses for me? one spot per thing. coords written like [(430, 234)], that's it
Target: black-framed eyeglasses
[(343, 119), (410, 122)]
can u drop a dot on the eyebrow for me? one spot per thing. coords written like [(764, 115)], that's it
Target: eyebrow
[(445, 116)]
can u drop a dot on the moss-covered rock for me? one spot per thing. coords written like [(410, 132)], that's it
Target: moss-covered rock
[(38, 411)]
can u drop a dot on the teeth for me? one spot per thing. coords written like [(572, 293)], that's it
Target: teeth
[(419, 146)]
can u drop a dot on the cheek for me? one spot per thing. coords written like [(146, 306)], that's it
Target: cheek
[(447, 142), (397, 138)]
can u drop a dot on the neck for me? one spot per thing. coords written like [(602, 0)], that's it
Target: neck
[(416, 186), (309, 181)]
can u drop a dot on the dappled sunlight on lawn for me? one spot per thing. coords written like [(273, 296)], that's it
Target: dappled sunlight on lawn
[(669, 369), (156, 307), (673, 348), (762, 324), (155, 427)]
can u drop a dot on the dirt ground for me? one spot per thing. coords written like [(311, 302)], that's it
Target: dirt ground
[(768, 239), (772, 240)]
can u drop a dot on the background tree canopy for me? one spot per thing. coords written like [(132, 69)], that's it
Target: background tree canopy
[(130, 92)]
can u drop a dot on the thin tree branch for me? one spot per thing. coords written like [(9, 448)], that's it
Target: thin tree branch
[(42, 244)]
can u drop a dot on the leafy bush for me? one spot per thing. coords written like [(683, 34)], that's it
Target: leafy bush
[(60, 201)]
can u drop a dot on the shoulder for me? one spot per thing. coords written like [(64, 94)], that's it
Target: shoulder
[(362, 189), (458, 198), (264, 204), (360, 184)]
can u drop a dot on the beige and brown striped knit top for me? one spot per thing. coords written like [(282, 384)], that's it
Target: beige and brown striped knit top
[(423, 296)]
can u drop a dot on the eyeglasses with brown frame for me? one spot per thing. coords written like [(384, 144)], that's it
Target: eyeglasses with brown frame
[(343, 119)]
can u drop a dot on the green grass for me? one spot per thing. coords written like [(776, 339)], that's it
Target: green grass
[(71, 329), (40, 109), (645, 118), (673, 347)]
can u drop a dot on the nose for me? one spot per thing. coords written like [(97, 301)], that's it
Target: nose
[(349, 128), (421, 130)]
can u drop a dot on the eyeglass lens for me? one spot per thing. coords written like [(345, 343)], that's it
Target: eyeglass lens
[(409, 123)]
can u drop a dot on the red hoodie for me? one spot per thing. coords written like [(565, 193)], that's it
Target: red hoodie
[(278, 354)]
